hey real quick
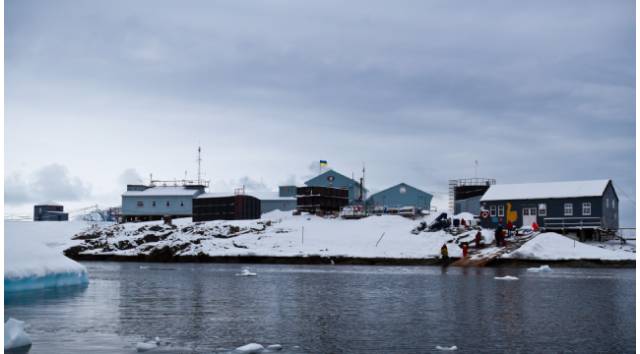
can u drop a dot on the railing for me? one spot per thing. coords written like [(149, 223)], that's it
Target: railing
[(573, 222)]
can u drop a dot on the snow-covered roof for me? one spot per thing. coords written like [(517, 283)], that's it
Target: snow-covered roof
[(569, 189), (162, 191)]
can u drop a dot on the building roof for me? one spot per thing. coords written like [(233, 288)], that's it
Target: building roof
[(259, 195), (399, 185), (569, 189), (332, 172), (162, 191)]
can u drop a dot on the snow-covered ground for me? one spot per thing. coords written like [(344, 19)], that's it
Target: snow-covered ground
[(284, 235), (33, 255), (553, 246)]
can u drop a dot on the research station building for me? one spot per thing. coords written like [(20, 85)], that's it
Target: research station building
[(589, 207), (333, 179), (145, 203), (398, 196)]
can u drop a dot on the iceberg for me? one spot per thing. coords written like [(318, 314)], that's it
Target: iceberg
[(30, 264), (506, 277), (15, 338), (452, 348), (542, 269)]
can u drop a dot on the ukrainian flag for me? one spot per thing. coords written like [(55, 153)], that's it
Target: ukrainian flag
[(323, 163)]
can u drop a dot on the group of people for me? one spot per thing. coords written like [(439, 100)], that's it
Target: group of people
[(444, 251)]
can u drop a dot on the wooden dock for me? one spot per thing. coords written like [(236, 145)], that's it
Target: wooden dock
[(484, 256)]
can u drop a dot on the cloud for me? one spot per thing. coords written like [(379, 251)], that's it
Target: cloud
[(129, 176), (49, 183)]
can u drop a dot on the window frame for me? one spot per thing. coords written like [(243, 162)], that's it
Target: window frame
[(140, 204), (586, 205), (542, 211), (570, 207), (492, 210), (500, 210)]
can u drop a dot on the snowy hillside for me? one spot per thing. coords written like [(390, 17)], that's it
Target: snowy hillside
[(276, 234), (280, 234)]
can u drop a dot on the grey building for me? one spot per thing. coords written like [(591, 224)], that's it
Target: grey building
[(144, 203), (398, 196), (576, 205), (333, 179), (49, 212), (270, 201), (465, 194)]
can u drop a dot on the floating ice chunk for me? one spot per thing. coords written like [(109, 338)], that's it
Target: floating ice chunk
[(250, 348), (30, 264), (246, 273), (274, 347), (449, 349), (148, 345), (14, 335), (542, 269), (506, 277)]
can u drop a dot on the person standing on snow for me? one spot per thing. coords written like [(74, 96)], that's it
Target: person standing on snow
[(478, 239), (498, 235), (444, 252), (465, 250), (509, 228)]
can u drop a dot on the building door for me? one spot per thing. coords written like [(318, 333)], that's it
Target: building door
[(529, 216)]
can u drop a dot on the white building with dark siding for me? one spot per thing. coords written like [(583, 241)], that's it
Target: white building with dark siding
[(143, 203)]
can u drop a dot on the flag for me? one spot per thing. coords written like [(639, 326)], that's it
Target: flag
[(323, 163)]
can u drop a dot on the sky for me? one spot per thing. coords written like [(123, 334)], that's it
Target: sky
[(100, 94)]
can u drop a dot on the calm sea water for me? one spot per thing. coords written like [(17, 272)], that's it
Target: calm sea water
[(205, 308)]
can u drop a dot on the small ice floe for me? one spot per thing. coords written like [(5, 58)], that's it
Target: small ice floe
[(506, 277), (274, 347), (15, 338), (447, 349), (542, 269), (245, 273), (148, 345), (250, 348)]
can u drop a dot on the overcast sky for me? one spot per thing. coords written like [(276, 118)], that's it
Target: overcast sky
[(99, 94)]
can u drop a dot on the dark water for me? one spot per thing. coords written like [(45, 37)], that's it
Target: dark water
[(334, 309)]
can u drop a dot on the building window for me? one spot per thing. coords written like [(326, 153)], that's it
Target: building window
[(586, 209), (542, 209), (613, 203), (140, 203), (568, 209), (606, 202), (168, 204), (500, 210), (492, 210), (181, 204), (153, 203)]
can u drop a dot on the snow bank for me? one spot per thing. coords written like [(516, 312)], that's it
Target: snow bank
[(553, 246), (34, 261), (14, 335)]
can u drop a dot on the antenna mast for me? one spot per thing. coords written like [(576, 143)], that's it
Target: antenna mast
[(199, 162)]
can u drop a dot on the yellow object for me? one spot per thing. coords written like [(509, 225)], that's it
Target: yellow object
[(512, 215)]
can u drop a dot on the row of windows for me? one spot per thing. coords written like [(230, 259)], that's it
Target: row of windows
[(542, 210), (140, 204)]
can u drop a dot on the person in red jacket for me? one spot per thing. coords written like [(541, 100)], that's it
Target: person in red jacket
[(478, 238), (465, 250), (509, 228), (535, 226)]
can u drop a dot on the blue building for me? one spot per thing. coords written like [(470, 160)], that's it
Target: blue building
[(334, 179), (270, 201), (398, 196), (144, 203)]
